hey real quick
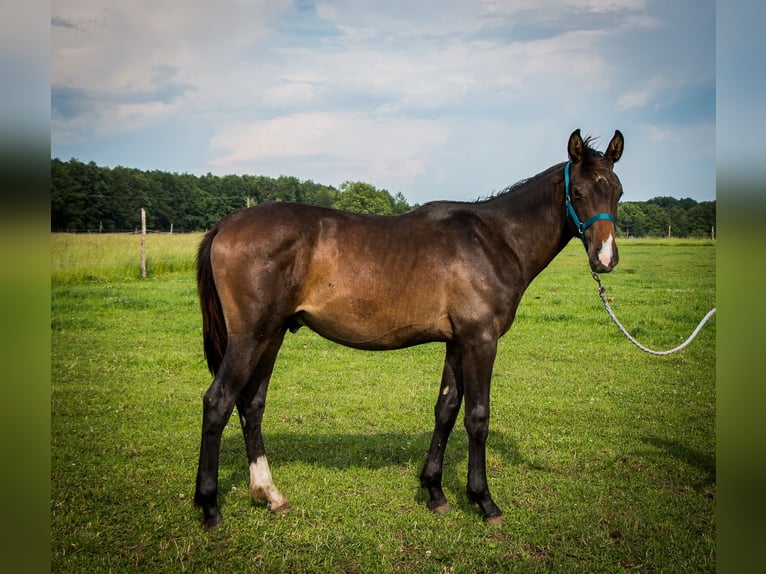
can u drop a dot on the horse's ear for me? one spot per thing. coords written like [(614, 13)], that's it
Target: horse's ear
[(614, 151), (575, 146)]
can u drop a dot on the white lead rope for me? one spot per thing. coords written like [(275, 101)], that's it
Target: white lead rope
[(602, 294)]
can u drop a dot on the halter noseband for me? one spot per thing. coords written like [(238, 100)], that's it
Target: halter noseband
[(582, 226)]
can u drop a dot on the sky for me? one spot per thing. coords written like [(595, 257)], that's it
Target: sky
[(435, 99)]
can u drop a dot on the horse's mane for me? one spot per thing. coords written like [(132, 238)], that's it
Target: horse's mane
[(591, 159), (591, 163)]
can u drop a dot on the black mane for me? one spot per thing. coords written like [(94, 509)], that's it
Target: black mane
[(591, 163)]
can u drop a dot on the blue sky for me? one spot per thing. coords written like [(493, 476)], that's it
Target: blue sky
[(434, 99)]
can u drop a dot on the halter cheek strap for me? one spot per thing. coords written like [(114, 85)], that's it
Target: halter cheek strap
[(581, 226)]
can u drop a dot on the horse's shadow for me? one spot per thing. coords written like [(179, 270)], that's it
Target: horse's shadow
[(703, 462), (363, 450)]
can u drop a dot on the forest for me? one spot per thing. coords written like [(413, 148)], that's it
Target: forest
[(86, 197)]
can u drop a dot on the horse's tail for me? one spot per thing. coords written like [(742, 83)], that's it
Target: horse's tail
[(213, 325)]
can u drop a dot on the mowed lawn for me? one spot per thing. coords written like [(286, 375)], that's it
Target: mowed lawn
[(601, 457)]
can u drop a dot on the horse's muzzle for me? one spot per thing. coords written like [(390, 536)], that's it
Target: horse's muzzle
[(604, 257)]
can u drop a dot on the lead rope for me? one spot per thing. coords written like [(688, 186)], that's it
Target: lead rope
[(602, 294)]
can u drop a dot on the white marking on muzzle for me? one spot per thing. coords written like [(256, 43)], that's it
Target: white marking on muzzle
[(606, 251)]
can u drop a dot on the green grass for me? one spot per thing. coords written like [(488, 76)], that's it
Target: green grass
[(602, 457), (117, 257)]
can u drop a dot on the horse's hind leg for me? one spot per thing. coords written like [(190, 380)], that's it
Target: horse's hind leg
[(250, 405), (234, 373)]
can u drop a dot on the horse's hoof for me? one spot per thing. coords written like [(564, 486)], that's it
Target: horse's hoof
[(211, 522), (495, 520), (283, 508), (442, 509)]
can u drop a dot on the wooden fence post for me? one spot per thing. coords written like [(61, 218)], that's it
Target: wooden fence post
[(143, 243)]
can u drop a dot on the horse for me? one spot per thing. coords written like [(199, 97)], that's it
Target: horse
[(449, 272)]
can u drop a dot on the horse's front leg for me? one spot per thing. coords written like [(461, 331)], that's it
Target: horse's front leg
[(445, 413), (477, 365)]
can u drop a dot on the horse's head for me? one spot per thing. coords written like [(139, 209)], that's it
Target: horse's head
[(593, 191)]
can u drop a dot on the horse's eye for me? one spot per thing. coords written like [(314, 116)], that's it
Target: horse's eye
[(577, 193)]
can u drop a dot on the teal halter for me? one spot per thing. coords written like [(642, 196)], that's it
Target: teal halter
[(582, 226)]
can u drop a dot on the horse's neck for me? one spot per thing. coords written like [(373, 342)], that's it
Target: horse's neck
[(538, 229)]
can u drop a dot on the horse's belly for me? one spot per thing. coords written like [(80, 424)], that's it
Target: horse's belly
[(368, 324)]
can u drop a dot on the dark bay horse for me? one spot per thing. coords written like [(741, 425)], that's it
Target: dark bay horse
[(447, 271)]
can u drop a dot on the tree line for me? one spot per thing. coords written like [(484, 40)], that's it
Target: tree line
[(666, 217), (88, 197)]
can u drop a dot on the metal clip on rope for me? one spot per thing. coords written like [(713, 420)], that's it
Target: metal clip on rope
[(602, 294)]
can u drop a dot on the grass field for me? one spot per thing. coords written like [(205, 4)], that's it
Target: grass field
[(602, 457)]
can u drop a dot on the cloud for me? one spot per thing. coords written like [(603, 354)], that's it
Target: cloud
[(365, 147), (634, 100), (120, 45), (119, 67), (403, 57), (404, 94), (698, 138), (78, 113), (62, 23)]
